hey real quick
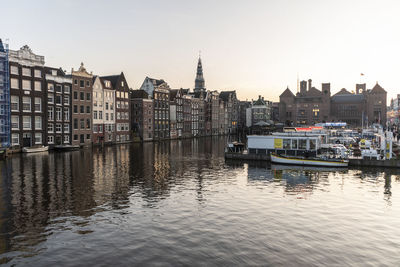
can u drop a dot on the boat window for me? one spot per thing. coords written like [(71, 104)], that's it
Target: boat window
[(302, 144), (286, 143), (312, 144), (294, 144)]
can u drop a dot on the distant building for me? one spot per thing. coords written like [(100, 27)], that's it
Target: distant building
[(275, 112), (232, 110), (5, 119), (176, 98), (141, 115), (259, 112), (159, 90)]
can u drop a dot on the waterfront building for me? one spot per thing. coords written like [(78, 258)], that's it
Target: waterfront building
[(275, 112), (122, 109), (243, 106), (58, 107), (82, 106), (215, 110), (109, 113), (222, 118), (27, 98), (173, 133), (195, 102), (232, 111), (187, 116), (159, 90), (5, 119), (141, 115), (176, 98), (259, 112), (98, 111)]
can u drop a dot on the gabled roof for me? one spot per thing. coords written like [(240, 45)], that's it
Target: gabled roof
[(156, 82), (378, 89), (343, 91), (224, 95), (112, 78), (313, 91), (287, 93)]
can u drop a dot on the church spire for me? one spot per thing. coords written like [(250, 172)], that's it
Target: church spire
[(199, 84)]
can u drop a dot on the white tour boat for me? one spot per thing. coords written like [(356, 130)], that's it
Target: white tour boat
[(35, 149), (309, 161)]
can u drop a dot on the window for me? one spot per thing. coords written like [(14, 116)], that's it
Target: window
[(76, 95), (95, 115), (14, 70), (95, 128), (26, 85), (14, 83), (286, 143), (66, 138), (100, 115), (81, 83), (26, 123), (108, 84), (14, 103), (66, 114), (112, 116), (58, 127), (58, 114), (66, 100), (87, 83), (38, 138), (82, 96), (82, 109), (58, 88), (106, 116), (38, 73), (38, 123), (26, 104), (88, 96), (50, 139), (50, 87), (111, 106), (58, 99), (88, 136), (100, 128), (106, 105), (122, 83), (294, 144), (50, 113), (312, 144), (38, 86), (75, 137), (50, 98), (26, 72), (88, 124), (66, 128), (82, 123), (95, 103), (67, 89), (50, 127), (75, 124), (302, 144), (14, 122), (76, 82), (88, 109)]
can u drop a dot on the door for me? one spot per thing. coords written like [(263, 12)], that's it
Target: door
[(27, 140)]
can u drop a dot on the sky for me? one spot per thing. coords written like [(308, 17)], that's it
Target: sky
[(253, 47)]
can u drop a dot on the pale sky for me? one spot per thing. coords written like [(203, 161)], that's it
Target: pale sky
[(253, 47)]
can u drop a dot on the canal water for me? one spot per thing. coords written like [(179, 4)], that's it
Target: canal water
[(180, 203)]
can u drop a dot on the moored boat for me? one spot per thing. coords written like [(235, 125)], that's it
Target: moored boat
[(35, 149), (275, 158)]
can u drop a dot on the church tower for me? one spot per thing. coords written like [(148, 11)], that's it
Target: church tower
[(199, 85)]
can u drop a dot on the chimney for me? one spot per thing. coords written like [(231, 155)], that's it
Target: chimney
[(309, 84)]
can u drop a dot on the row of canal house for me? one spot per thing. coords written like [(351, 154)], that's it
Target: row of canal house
[(49, 106)]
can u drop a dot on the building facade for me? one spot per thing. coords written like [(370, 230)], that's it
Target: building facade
[(27, 98), (58, 107), (5, 118), (82, 106), (142, 115)]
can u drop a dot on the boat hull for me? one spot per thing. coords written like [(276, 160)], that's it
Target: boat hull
[(308, 162), (35, 149)]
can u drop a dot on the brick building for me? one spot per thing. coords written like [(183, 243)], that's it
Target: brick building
[(141, 115)]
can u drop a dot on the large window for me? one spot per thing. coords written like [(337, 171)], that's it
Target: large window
[(38, 123), (58, 114), (14, 83), (50, 113), (14, 122), (26, 72), (14, 103), (26, 104), (38, 104), (38, 86), (38, 138), (26, 123)]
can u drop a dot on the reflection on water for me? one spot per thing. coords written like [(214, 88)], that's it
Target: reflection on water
[(55, 205)]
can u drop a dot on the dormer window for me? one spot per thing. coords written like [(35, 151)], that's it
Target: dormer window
[(108, 85)]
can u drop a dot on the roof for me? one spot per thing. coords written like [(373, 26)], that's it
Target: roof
[(287, 93), (259, 102), (156, 82), (343, 91), (138, 94), (112, 78), (348, 98), (378, 89), (224, 95)]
